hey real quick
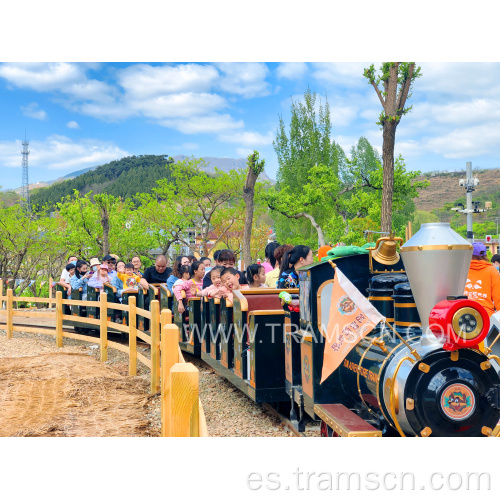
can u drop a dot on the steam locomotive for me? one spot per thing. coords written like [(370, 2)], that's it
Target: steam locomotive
[(430, 370)]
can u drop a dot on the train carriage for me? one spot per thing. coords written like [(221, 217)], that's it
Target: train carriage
[(405, 377)]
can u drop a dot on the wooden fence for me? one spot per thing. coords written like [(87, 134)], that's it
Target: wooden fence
[(178, 382)]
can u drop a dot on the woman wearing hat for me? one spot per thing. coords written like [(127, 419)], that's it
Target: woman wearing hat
[(483, 281)]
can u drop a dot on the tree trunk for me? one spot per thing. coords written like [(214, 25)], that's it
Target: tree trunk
[(389, 138), (105, 229), (248, 194)]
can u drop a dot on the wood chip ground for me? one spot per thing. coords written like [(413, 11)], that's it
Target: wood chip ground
[(45, 391)]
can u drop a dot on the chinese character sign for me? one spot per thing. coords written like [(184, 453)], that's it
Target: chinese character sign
[(351, 318)]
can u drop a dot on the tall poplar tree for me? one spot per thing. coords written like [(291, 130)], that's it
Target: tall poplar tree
[(396, 79)]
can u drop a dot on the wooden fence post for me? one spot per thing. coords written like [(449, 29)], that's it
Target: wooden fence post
[(1, 293), (155, 346), (166, 318), (132, 336), (51, 305), (10, 312), (104, 326), (169, 357), (185, 416), (59, 319)]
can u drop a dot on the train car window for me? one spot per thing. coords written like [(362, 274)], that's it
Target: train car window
[(324, 302)]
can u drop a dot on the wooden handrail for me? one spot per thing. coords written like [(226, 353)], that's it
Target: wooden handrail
[(181, 409)]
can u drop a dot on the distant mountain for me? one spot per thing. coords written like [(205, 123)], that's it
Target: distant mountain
[(224, 164), (125, 177)]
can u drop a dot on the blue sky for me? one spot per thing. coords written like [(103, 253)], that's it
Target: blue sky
[(78, 115)]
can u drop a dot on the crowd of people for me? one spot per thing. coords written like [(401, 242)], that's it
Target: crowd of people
[(196, 277)]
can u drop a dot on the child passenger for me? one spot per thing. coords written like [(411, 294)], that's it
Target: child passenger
[(216, 289), (190, 283), (231, 280), (128, 278), (256, 276)]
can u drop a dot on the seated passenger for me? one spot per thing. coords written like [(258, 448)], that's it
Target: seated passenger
[(137, 265), (272, 276), (129, 280), (65, 280), (180, 260), (158, 273), (230, 279), (270, 262), (185, 283), (99, 278), (81, 278), (110, 261), (256, 276), (216, 289), (300, 256), (70, 269), (228, 259)]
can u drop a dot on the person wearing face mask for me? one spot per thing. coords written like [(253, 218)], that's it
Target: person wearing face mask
[(94, 266), (495, 260)]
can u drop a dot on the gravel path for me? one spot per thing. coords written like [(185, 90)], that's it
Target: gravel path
[(228, 411)]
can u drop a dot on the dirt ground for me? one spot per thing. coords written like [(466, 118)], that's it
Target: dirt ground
[(45, 391)]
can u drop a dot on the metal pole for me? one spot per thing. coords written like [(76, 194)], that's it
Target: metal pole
[(470, 188)]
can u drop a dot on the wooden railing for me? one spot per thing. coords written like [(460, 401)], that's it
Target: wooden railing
[(178, 382)]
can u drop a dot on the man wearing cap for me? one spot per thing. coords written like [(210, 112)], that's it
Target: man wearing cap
[(483, 281), (110, 261)]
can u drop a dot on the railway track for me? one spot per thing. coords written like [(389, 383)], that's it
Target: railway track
[(269, 408)]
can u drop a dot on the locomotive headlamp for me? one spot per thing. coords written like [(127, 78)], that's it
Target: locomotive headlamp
[(459, 323)]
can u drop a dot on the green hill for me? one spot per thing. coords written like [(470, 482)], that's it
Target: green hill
[(125, 178)]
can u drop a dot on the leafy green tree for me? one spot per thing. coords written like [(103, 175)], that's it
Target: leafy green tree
[(306, 143), (27, 247), (95, 225), (196, 199), (397, 79)]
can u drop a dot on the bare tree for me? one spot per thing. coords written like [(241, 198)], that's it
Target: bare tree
[(255, 168)]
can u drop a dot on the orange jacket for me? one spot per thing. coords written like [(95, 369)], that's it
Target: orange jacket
[(483, 285)]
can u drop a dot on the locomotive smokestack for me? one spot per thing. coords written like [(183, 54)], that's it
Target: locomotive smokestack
[(437, 261)]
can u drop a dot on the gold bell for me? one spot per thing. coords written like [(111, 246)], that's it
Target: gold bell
[(385, 251)]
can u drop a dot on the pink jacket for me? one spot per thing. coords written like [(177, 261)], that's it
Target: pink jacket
[(186, 286), (212, 291)]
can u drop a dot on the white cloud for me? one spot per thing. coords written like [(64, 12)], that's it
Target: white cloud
[(33, 111), (189, 146), (348, 75), (214, 124), (245, 79), (461, 79), (243, 152), (143, 80), (179, 105), (291, 70), (59, 153), (251, 139), (70, 79), (72, 124)]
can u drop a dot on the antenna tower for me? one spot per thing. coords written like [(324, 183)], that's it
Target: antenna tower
[(25, 193)]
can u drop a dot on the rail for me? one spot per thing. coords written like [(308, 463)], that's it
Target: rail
[(182, 413)]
